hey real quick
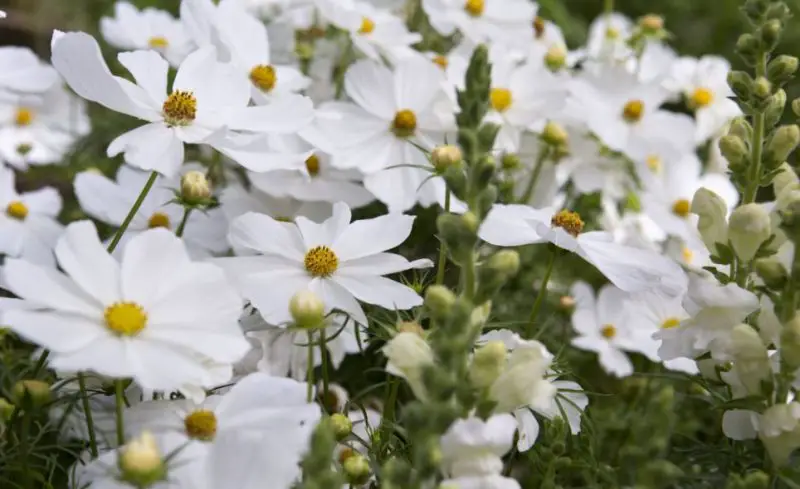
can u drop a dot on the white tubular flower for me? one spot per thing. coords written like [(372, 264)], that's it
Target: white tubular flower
[(408, 354), (750, 358), (523, 382), (712, 223), (779, 431), (748, 227)]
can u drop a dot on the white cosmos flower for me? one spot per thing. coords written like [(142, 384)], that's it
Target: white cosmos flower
[(630, 269), (154, 316), (590, 170), (236, 201), (340, 261), (207, 99), (28, 225), (472, 451), (482, 20), (374, 134), (24, 72), (110, 201), (132, 29), (704, 85), (608, 38)]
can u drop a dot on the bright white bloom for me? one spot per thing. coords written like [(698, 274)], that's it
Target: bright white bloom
[(154, 316), (236, 201), (24, 72), (481, 20), (704, 85), (608, 38), (590, 170), (131, 29), (207, 99), (110, 201), (338, 260), (28, 225), (374, 135), (408, 354), (779, 430), (472, 451), (630, 269)]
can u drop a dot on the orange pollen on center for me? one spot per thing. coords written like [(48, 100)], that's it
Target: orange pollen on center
[(681, 208), (670, 323), (158, 220), (570, 221), (633, 111), (501, 99), (312, 165), (441, 61), (474, 7), (538, 27), (23, 117), (701, 97), (263, 77), (405, 123), (180, 108), (367, 26), (608, 331)]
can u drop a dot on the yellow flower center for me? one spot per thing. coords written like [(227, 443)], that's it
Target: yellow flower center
[(158, 220), (158, 42), (612, 33), (500, 99), (125, 318), (404, 124), (321, 261), (264, 77), (702, 97), (17, 210), (654, 163), (538, 27), (312, 165), (681, 208), (687, 255), (180, 108), (570, 221), (474, 7), (608, 331), (201, 425), (632, 112), (367, 26), (23, 117), (670, 323), (441, 61)]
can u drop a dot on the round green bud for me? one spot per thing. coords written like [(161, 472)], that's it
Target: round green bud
[(439, 299), (781, 144), (443, 157), (734, 149), (772, 272), (195, 188), (342, 426), (35, 391), (741, 128), (748, 228), (307, 310), (554, 134), (505, 262), (741, 83), (782, 68), (762, 88), (140, 462), (770, 33), (356, 469), (555, 58), (510, 161), (487, 364)]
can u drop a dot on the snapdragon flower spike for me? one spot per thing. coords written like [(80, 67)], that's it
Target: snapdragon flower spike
[(630, 269), (208, 99)]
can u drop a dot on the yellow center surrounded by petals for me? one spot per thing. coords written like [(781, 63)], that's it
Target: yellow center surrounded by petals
[(633, 111), (23, 117), (608, 331), (158, 42), (701, 97), (404, 124), (654, 163), (180, 108), (264, 77), (321, 261), (125, 318), (158, 220), (681, 208), (570, 221), (367, 26), (474, 7), (670, 323), (201, 425), (500, 99), (612, 33), (441, 61), (17, 210), (538, 27), (312, 165)]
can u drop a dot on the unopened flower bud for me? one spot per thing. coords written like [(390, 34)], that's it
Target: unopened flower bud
[(195, 188), (505, 262), (775, 107), (554, 134), (445, 156), (748, 228), (567, 303), (140, 461), (439, 299), (356, 470), (6, 410), (408, 355), (790, 343), (34, 391), (741, 83), (762, 88), (510, 161), (747, 46), (772, 272), (556, 57), (770, 34), (734, 150), (778, 10), (712, 223), (487, 364), (782, 142), (307, 309), (741, 128), (782, 68), (756, 8), (342, 426), (410, 327), (796, 106), (651, 24), (779, 431), (784, 179), (460, 233)]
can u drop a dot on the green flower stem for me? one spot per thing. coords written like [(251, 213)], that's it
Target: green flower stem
[(132, 212), (754, 172), (323, 352), (182, 225), (388, 409), (120, 401), (537, 170), (87, 410), (310, 368), (608, 9), (542, 292), (442, 245), (468, 275), (24, 449)]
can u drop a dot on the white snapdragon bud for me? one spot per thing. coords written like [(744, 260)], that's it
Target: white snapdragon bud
[(487, 364), (443, 157), (472, 451), (790, 343), (522, 382), (779, 431), (195, 188), (748, 227), (751, 358), (408, 353), (784, 179), (140, 461), (712, 222), (307, 309)]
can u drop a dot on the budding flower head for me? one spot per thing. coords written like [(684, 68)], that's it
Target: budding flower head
[(554, 134), (307, 309), (556, 57), (772, 272), (748, 228), (140, 461), (410, 327), (439, 299), (790, 343), (443, 157), (567, 303), (342, 426), (487, 364), (34, 391), (195, 188), (762, 88), (651, 24), (356, 469)]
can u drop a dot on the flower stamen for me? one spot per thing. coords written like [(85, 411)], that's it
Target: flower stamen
[(367, 26), (17, 210), (670, 323), (321, 261), (180, 108), (24, 117), (441, 61), (681, 208), (404, 124), (500, 99), (159, 220), (264, 77), (608, 331), (158, 42), (538, 27), (474, 7), (701, 97), (570, 221), (201, 425), (312, 165), (633, 111), (125, 318)]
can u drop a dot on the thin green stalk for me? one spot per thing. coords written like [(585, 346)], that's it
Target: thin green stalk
[(310, 368), (40, 363), (468, 275), (323, 351), (24, 449), (120, 401), (754, 172), (537, 170), (132, 212), (182, 225), (388, 408), (87, 411), (542, 292), (608, 9), (442, 245)]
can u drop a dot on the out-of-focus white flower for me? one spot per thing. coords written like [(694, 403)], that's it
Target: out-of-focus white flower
[(482, 20), (132, 29), (408, 353), (24, 72)]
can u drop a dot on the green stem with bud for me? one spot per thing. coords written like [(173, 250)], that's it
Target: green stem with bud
[(184, 220), (323, 352), (754, 171), (537, 170), (442, 245), (310, 368), (542, 291), (120, 401)]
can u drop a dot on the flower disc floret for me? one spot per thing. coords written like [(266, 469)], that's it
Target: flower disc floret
[(264, 77), (180, 108), (570, 221), (23, 117), (441, 61), (17, 210), (608, 331), (158, 220), (538, 27), (125, 318), (701, 97), (405, 123), (670, 323), (201, 425), (321, 261), (500, 99), (633, 111), (312, 165), (681, 208), (367, 26), (474, 7), (158, 42)]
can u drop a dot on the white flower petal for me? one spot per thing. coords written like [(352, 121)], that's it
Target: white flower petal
[(380, 291), (48, 288), (371, 236), (81, 255)]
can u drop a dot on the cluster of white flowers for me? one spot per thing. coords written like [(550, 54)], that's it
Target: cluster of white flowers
[(299, 111)]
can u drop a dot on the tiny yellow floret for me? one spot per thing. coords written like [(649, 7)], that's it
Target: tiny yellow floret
[(201, 425), (608, 331), (24, 117), (158, 220), (474, 7), (681, 208), (701, 97), (180, 108), (264, 77), (321, 261), (367, 26), (654, 163), (312, 165), (125, 318), (500, 99), (441, 61), (569, 221), (158, 42), (17, 210), (633, 111), (404, 124)]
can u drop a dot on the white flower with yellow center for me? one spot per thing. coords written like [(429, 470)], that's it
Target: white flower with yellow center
[(340, 261), (154, 316), (24, 72), (375, 134), (28, 223), (132, 29), (208, 104), (608, 38), (482, 20), (109, 201), (704, 85), (631, 269)]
